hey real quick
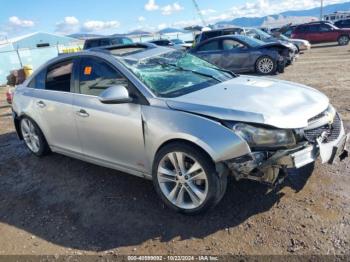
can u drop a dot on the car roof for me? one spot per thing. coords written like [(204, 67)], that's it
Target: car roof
[(159, 40), (219, 38), (316, 23), (105, 37), (347, 19), (136, 51), (224, 29)]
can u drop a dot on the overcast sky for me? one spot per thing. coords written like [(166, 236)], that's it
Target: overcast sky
[(119, 16)]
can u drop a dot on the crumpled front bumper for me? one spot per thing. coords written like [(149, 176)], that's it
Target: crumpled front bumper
[(329, 152), (258, 167)]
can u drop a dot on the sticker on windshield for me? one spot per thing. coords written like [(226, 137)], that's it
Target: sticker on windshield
[(87, 70)]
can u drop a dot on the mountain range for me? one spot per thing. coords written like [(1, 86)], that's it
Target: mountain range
[(258, 21)]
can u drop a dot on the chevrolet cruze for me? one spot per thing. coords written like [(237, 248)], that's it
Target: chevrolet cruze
[(166, 115)]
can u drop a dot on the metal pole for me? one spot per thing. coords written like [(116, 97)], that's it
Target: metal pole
[(19, 58), (321, 11)]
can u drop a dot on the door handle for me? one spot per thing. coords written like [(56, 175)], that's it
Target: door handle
[(83, 113), (41, 104)]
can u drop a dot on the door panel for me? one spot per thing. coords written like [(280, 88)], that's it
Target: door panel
[(110, 132), (57, 119), (235, 56)]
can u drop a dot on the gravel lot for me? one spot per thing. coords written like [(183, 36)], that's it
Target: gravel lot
[(59, 205)]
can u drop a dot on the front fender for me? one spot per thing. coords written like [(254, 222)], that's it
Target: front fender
[(162, 125)]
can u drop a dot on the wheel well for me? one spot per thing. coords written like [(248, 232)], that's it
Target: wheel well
[(17, 120), (183, 141), (348, 36)]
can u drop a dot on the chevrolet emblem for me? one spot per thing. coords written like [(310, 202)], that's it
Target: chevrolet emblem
[(330, 118)]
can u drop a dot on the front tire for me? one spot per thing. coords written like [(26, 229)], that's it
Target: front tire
[(343, 40), (33, 137), (265, 65), (186, 180)]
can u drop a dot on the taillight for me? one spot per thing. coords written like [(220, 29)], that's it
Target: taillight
[(9, 97)]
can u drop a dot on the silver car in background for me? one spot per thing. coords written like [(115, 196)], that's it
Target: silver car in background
[(169, 116)]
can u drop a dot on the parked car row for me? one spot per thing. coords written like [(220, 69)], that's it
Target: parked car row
[(318, 32)]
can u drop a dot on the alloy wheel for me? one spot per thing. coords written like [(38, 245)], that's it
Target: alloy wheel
[(343, 40), (265, 65), (30, 135), (182, 180)]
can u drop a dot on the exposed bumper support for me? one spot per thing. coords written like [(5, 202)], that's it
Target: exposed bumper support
[(260, 167)]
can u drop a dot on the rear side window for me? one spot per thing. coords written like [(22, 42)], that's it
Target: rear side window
[(38, 82), (302, 29), (104, 42), (211, 46), (91, 43), (59, 77), (314, 28), (96, 76)]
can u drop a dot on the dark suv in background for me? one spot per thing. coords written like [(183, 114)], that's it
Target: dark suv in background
[(322, 32), (343, 23), (107, 41)]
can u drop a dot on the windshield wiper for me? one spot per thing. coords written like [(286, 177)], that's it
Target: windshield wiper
[(225, 71), (189, 70)]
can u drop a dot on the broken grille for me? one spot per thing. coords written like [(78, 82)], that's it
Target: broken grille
[(330, 132)]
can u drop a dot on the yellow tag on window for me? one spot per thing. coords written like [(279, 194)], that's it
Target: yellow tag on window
[(87, 70)]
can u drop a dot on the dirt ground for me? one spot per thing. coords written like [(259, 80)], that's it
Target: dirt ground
[(59, 205)]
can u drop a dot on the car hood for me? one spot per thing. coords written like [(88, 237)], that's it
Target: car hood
[(271, 44), (274, 41), (258, 100)]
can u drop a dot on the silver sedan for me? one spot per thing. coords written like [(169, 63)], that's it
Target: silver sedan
[(165, 115)]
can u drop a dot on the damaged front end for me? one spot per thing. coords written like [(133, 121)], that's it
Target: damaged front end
[(324, 137)]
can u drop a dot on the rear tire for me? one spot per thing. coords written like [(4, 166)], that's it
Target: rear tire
[(265, 65), (33, 137), (343, 40), (186, 180)]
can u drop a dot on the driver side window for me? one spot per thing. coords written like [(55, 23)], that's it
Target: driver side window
[(229, 44), (325, 28), (95, 76)]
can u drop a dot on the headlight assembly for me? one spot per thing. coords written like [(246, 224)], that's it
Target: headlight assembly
[(262, 137)]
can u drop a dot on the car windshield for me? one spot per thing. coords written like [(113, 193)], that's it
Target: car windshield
[(332, 25), (253, 42), (177, 41), (283, 37), (253, 32), (175, 73)]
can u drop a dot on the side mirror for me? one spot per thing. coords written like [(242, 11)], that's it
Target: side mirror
[(115, 95)]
